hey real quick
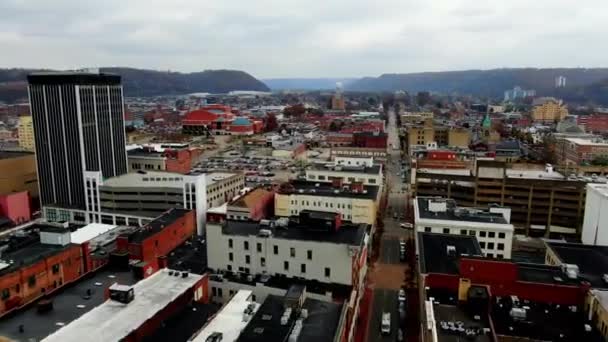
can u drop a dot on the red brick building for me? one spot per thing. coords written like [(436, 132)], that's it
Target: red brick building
[(370, 139), (596, 123), (38, 267), (158, 238)]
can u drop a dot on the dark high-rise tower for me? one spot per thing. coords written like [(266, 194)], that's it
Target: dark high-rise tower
[(78, 126)]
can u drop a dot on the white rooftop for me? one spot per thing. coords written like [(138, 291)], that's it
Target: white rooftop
[(217, 176), (601, 189), (222, 209), (534, 174), (602, 295), (113, 321), (456, 172), (588, 142), (90, 231), (150, 178), (229, 320)]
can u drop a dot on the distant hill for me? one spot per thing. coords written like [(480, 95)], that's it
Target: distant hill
[(305, 83), (141, 82), (490, 83)]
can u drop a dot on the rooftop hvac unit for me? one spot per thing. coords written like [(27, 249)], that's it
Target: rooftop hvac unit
[(122, 293), (265, 233), (518, 314), (451, 250), (570, 270), (265, 222)]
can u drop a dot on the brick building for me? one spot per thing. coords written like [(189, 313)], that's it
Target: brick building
[(596, 123), (158, 238), (370, 139), (16, 207), (576, 151)]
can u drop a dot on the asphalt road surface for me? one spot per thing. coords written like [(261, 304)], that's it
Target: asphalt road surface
[(384, 301)]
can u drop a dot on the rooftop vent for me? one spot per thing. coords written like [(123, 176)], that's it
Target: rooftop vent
[(438, 206), (451, 250)]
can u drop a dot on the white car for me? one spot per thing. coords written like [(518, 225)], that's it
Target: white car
[(406, 225), (401, 295), (385, 327)]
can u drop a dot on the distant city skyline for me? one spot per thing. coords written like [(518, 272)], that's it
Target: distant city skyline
[(276, 39)]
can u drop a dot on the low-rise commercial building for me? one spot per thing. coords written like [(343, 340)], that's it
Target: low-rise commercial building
[(548, 109), (542, 202), (162, 158), (346, 174), (520, 300), (133, 313), (491, 226), (353, 202), (379, 154), (136, 198), (577, 151)]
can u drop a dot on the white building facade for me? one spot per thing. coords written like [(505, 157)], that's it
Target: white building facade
[(595, 222), (491, 228)]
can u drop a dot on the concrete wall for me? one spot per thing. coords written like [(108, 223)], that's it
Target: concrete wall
[(334, 256), (351, 209)]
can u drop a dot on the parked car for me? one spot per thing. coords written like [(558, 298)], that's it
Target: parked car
[(385, 327), (401, 295), (406, 225)]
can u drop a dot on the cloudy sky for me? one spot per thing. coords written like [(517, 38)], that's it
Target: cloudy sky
[(304, 38)]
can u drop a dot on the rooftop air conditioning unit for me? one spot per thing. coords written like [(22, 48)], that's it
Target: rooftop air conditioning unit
[(451, 250), (265, 233)]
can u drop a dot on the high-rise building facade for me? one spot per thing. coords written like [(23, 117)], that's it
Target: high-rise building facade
[(26, 133), (78, 127)]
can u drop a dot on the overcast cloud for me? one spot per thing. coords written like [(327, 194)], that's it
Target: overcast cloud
[(304, 38)]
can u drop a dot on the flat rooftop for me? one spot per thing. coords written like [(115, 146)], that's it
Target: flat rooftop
[(73, 77), (153, 179), (370, 170), (184, 323), (249, 199), (158, 224), (544, 322), (69, 303), (592, 261), (601, 189), (349, 234), (29, 251), (309, 188), (433, 251), (229, 320), (190, 256), (448, 315), (113, 321), (448, 211), (320, 325), (587, 142)]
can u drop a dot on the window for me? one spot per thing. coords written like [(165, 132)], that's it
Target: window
[(31, 281), (259, 247), (490, 245), (482, 233), (286, 265), (321, 177), (276, 249), (263, 262), (490, 255), (156, 243), (219, 292), (446, 230), (472, 232), (246, 245), (309, 254), (463, 232), (55, 268), (482, 244), (303, 268), (427, 229), (501, 235), (230, 256), (501, 246), (229, 268), (229, 243), (5, 294), (491, 234), (292, 252), (499, 256), (327, 272), (214, 291), (247, 259), (372, 181)]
